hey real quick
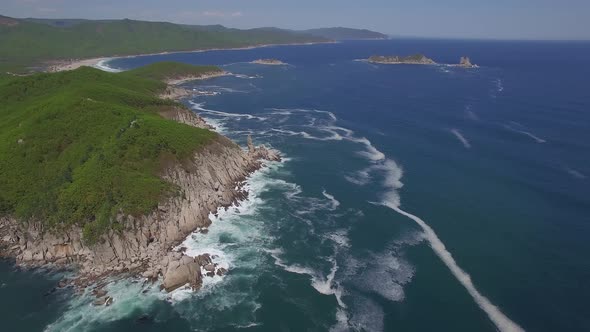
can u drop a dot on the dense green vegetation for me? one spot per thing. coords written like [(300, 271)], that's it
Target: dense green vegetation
[(79, 147), (345, 33), (27, 42), (162, 71)]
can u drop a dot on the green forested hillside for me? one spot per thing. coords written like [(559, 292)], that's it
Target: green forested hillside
[(28, 42), (80, 146)]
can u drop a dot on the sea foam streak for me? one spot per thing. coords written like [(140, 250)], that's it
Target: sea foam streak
[(461, 138), (391, 200), (392, 182), (392, 174), (537, 139), (502, 322), (334, 201)]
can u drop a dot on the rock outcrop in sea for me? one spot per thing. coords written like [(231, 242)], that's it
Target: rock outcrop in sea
[(416, 59), (211, 179), (465, 62)]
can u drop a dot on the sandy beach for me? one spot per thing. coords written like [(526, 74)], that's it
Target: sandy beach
[(74, 64)]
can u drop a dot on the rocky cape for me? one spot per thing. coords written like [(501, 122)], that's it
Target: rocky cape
[(211, 179)]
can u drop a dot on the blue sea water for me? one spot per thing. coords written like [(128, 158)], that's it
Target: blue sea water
[(411, 198)]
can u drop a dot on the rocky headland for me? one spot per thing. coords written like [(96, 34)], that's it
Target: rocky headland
[(211, 179)]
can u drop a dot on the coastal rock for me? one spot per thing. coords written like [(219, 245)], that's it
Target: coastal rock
[(103, 301), (465, 62), (181, 272)]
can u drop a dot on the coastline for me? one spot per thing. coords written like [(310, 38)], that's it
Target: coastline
[(147, 247), (63, 65)]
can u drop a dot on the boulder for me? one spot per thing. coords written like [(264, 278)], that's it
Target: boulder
[(221, 271), (99, 293), (103, 301), (181, 272)]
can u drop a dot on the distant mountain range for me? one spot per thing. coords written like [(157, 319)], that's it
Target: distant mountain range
[(25, 42)]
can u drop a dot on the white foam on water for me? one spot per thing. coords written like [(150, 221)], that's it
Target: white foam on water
[(499, 85), (217, 125), (536, 138), (366, 316), (335, 203), (303, 110), (461, 138), (323, 285), (247, 76), (201, 107), (576, 174), (103, 65), (471, 115), (128, 299), (502, 322), (390, 198), (340, 238), (230, 235)]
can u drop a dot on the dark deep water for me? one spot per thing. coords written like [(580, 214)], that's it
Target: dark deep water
[(495, 160)]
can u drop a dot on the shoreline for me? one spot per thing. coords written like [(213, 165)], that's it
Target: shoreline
[(214, 180), (53, 66)]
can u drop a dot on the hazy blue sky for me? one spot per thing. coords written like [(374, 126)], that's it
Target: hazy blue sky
[(513, 19)]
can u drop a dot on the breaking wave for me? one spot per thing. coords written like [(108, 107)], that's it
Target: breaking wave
[(104, 65)]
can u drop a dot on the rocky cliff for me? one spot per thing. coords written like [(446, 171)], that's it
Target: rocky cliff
[(211, 179)]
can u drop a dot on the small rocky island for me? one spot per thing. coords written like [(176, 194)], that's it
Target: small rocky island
[(416, 59), (271, 62), (465, 62)]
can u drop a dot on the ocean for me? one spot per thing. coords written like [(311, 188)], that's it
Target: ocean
[(410, 198)]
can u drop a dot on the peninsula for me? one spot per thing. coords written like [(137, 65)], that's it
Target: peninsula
[(100, 174), (416, 59)]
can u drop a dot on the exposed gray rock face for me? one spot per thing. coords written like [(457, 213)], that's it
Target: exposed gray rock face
[(210, 181), (465, 62), (182, 271)]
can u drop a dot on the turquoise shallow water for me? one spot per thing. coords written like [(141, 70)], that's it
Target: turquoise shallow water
[(494, 160)]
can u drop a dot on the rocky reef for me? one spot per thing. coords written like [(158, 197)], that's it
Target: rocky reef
[(416, 59), (271, 62), (210, 179)]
